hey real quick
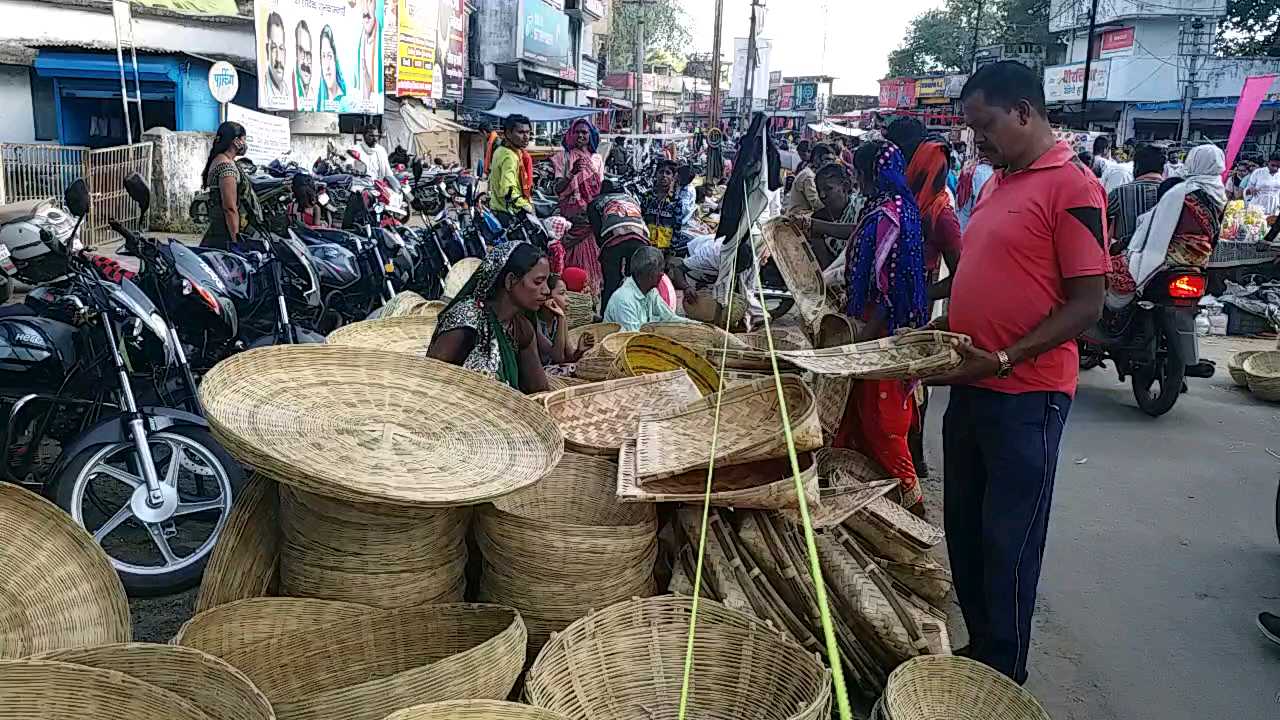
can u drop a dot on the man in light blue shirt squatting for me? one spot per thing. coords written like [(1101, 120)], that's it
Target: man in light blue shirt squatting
[(636, 302)]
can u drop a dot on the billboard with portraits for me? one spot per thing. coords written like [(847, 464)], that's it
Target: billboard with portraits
[(320, 55)]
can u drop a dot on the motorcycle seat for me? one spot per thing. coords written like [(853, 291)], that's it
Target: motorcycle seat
[(261, 183), (19, 210)]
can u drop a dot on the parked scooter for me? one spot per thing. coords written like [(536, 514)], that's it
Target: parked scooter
[(1153, 340), (149, 484), (28, 232)]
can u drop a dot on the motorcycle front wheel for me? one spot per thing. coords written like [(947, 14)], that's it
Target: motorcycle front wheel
[(103, 491), (1157, 386)]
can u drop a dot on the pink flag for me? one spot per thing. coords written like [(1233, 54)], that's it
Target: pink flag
[(1255, 90)]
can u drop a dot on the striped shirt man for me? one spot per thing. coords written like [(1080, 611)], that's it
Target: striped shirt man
[(1127, 202)]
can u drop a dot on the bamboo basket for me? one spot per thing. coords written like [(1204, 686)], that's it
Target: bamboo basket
[(316, 660), (58, 587), (699, 336), (647, 354), (559, 382), (595, 418), (799, 270), (599, 331), (625, 662), (893, 531), (48, 690), (459, 275), (754, 357), (761, 485), (405, 334), (1262, 371), (582, 309), (924, 577), (474, 710), (597, 363), (1235, 367), (913, 356), (246, 560), (750, 429), (565, 546), (403, 303), (956, 688), (385, 556), (216, 688), (720, 579), (401, 430)]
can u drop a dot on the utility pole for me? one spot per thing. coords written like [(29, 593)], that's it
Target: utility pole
[(637, 113), (977, 22), (1088, 63), (752, 60), (1192, 45), (715, 66)]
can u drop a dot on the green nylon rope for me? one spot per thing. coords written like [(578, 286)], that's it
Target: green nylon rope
[(815, 569)]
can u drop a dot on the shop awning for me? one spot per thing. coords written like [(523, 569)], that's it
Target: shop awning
[(537, 110)]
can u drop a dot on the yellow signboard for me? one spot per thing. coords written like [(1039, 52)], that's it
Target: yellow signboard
[(416, 52), (194, 7), (931, 87)]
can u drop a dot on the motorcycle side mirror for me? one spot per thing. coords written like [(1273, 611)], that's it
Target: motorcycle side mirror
[(76, 198), (138, 190), (417, 169)]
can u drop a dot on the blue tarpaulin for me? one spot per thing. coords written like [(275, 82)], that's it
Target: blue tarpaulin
[(536, 110)]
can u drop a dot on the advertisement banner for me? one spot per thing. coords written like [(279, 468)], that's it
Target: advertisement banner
[(786, 96), (805, 96), (320, 55), (1117, 43), (267, 135), (932, 87), (544, 34), (416, 54), (195, 7), (955, 84), (897, 92), (738, 79), (1065, 83), (451, 53)]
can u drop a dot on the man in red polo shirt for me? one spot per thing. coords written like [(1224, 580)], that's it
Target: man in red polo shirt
[(1030, 280)]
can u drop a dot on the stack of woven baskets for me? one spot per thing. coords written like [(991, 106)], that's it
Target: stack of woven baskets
[(1257, 370), (560, 548)]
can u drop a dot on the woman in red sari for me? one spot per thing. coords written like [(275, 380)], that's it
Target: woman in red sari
[(579, 175)]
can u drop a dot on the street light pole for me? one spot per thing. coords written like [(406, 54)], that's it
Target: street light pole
[(715, 67), (637, 114)]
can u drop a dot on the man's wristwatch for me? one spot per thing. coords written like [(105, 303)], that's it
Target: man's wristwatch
[(1006, 366)]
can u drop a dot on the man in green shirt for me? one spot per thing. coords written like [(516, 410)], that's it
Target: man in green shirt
[(636, 302), (506, 191)]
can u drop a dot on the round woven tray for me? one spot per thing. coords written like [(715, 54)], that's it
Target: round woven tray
[(246, 559), (57, 586), (598, 331), (700, 336), (803, 275), (956, 688), (595, 418), (386, 556), (319, 660), (216, 688), (597, 363), (626, 662), (410, 303), (459, 275), (378, 427), (646, 354), (474, 710), (45, 689), (912, 356), (1262, 371), (750, 429), (406, 334), (1235, 366), (566, 545)]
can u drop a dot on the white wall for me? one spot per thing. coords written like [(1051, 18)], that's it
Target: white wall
[(1066, 14), (39, 23), (16, 119)]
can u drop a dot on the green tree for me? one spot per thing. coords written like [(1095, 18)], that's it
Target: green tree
[(1251, 28), (666, 28), (941, 40)]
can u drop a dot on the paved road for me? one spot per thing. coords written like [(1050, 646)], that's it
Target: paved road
[(1162, 550)]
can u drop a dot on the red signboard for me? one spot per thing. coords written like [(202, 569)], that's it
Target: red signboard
[(785, 93), (897, 92), (1117, 42)]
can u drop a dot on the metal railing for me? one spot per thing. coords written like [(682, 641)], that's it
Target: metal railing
[(36, 172)]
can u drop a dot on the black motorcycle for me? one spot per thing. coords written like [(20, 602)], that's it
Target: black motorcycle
[(1153, 339), (149, 483)]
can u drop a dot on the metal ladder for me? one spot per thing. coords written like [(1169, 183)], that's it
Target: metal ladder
[(124, 39)]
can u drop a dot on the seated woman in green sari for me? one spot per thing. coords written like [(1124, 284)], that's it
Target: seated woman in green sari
[(489, 326)]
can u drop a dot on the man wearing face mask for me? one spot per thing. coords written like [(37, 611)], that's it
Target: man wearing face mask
[(304, 86), (276, 94), (232, 204), (374, 157)]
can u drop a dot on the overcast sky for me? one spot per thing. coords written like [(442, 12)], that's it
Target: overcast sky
[(859, 35)]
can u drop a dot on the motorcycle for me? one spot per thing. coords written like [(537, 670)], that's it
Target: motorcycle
[(148, 483), (26, 231), (1153, 340)]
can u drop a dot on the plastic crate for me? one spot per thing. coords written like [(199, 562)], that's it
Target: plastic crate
[(1242, 322)]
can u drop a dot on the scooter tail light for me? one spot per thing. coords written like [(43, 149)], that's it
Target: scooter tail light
[(1187, 287)]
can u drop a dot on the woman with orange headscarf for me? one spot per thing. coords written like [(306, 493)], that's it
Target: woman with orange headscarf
[(928, 163)]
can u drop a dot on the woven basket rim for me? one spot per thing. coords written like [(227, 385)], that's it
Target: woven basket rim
[(700, 370), (459, 274), (274, 384), (387, 333), (558, 403), (474, 710), (940, 673), (501, 509), (34, 523), (1263, 365), (125, 688)]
